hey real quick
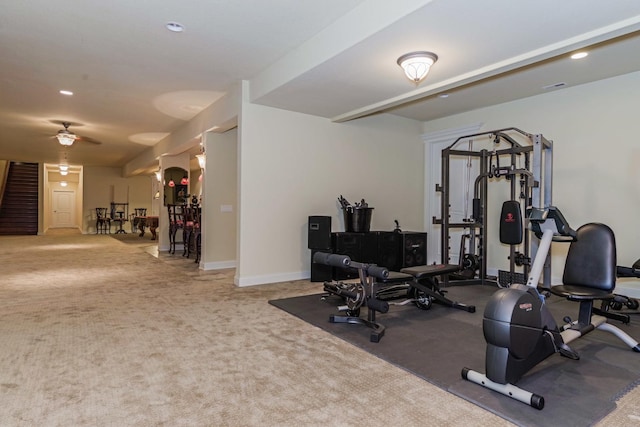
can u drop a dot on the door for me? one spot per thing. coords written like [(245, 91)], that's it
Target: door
[(462, 173), (64, 207)]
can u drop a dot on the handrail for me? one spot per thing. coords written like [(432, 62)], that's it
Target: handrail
[(4, 175)]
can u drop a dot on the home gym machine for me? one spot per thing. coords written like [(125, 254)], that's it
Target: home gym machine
[(518, 327), (524, 160)]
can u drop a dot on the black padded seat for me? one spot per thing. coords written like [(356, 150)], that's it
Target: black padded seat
[(590, 268), (580, 293), (431, 270), (590, 272), (591, 260)]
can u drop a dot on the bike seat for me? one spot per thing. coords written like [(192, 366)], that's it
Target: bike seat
[(580, 293)]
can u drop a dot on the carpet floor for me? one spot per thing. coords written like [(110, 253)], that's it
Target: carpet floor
[(98, 332)]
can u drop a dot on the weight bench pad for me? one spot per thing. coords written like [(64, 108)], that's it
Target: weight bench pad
[(431, 270)]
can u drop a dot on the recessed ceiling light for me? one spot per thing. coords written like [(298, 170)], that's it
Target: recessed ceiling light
[(579, 55), (443, 95), (66, 92), (175, 27)]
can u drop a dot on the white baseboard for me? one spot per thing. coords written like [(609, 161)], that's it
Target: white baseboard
[(272, 278), (218, 265)]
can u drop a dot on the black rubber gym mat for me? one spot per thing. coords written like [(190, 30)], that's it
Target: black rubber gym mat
[(436, 344)]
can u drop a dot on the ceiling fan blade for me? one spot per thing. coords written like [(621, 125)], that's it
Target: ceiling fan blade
[(88, 139), (66, 123)]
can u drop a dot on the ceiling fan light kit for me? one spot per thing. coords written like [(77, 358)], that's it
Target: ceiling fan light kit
[(66, 137), (416, 65)]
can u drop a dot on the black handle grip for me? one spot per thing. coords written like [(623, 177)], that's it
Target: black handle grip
[(320, 257), (333, 260), (377, 305), (379, 272)]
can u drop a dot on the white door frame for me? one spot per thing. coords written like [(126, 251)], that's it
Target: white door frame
[(436, 142)]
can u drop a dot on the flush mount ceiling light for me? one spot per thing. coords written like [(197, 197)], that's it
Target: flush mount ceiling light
[(580, 55), (416, 65), (66, 137), (66, 92)]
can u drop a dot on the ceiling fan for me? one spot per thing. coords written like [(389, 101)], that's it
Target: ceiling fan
[(66, 138)]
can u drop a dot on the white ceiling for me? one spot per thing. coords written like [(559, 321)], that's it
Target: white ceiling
[(135, 82)]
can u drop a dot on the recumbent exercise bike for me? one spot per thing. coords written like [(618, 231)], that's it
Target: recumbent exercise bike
[(518, 327)]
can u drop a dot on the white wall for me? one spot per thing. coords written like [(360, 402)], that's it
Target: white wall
[(221, 202), (294, 165), (103, 185), (595, 130)]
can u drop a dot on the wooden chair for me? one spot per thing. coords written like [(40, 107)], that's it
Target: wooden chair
[(198, 237), (103, 222), (120, 215), (134, 217), (176, 222), (191, 231)]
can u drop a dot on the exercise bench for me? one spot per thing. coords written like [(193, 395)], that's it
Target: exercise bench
[(420, 284)]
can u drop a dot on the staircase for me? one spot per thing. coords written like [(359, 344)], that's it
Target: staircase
[(19, 208)]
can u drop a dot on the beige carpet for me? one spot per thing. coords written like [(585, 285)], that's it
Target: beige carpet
[(98, 332)]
